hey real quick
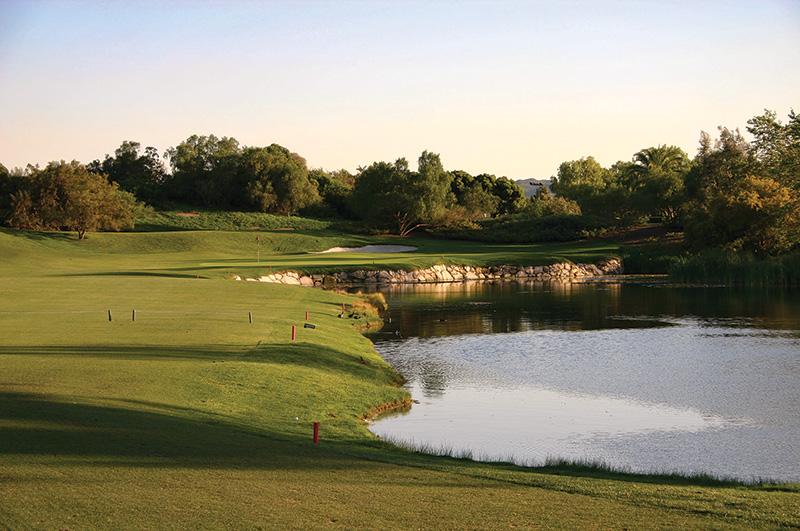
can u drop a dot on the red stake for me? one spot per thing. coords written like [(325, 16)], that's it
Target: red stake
[(294, 333), (316, 433), (306, 316)]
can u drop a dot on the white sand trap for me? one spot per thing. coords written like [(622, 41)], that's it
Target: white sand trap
[(369, 249)]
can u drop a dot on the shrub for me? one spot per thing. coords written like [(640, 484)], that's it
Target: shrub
[(653, 259)]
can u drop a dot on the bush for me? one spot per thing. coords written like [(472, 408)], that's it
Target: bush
[(654, 259)]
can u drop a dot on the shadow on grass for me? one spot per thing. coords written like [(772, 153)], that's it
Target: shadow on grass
[(129, 274), (149, 352), (37, 425), (298, 353), (35, 235)]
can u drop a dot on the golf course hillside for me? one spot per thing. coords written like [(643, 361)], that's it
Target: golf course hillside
[(142, 387)]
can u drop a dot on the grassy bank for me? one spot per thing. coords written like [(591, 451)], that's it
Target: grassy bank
[(192, 417)]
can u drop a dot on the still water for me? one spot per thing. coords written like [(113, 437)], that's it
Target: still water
[(639, 375)]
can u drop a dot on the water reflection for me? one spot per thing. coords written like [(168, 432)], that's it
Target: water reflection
[(544, 422), (425, 310), (675, 367)]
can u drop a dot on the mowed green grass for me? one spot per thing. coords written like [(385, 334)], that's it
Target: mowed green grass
[(191, 417)]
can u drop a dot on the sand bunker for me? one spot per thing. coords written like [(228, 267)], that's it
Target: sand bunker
[(370, 249)]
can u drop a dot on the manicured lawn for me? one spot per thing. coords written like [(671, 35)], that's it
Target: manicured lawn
[(191, 417), (213, 254)]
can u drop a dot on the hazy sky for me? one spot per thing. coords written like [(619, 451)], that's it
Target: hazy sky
[(510, 88)]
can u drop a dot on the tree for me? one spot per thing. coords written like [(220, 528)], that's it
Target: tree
[(66, 196), (205, 172), (656, 181), (380, 191), (719, 164), (745, 194), (7, 187), (510, 195), (776, 147), (433, 183), (385, 193), (143, 175), (277, 180), (334, 188), (474, 194), (580, 180), (759, 215), (478, 202)]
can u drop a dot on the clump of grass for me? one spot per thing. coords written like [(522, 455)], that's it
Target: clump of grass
[(375, 299), (361, 309)]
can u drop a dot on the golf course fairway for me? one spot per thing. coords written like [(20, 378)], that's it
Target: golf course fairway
[(142, 388)]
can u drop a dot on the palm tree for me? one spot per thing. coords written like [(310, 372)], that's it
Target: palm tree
[(656, 178)]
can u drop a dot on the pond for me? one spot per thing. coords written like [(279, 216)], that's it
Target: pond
[(642, 376)]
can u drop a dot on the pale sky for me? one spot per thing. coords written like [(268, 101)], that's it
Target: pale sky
[(506, 87)]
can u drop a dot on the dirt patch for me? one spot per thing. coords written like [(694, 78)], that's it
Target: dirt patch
[(188, 214)]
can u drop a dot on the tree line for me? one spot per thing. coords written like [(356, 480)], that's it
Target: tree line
[(736, 193)]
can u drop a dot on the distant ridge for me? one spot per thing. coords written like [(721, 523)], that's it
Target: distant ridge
[(531, 186)]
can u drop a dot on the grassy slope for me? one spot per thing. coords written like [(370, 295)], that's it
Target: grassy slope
[(192, 418)]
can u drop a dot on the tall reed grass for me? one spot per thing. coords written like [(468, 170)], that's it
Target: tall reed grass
[(586, 467), (729, 267)]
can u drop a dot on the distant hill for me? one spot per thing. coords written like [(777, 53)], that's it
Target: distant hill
[(532, 185)]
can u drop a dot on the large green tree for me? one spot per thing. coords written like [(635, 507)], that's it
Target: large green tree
[(141, 174), (510, 196), (719, 164), (745, 195), (656, 181), (475, 195), (66, 196), (593, 187), (580, 179), (759, 215), (205, 172), (776, 146), (334, 187), (277, 180), (390, 193)]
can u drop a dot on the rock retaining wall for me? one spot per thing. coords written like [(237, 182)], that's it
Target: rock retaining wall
[(450, 273)]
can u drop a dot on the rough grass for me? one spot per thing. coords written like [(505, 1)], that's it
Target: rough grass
[(215, 220), (191, 417)]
